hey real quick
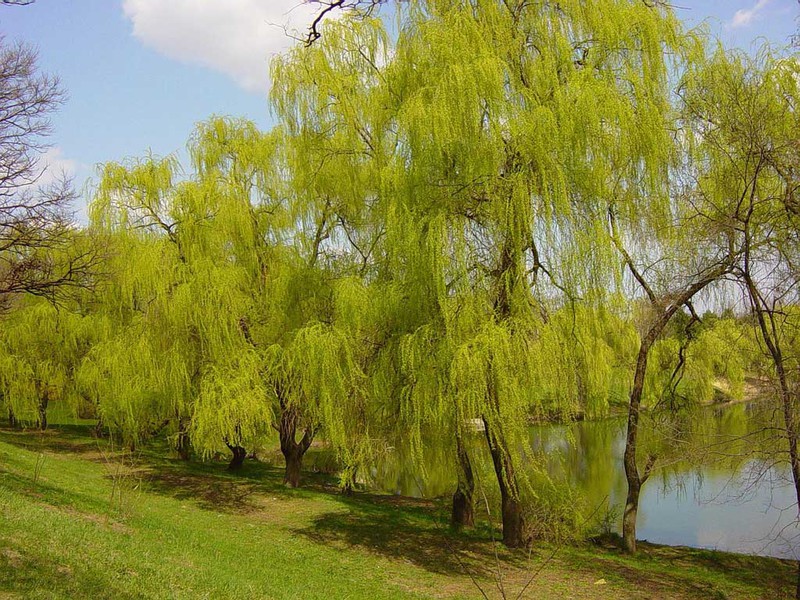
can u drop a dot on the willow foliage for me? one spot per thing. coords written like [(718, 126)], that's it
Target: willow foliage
[(41, 348)]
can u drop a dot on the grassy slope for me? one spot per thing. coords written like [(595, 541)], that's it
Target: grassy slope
[(91, 528)]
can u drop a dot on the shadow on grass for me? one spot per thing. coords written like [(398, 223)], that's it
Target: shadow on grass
[(25, 575), (408, 529), (74, 439), (411, 530), (210, 486), (703, 573), (401, 528)]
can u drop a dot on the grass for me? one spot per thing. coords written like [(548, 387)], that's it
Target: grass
[(78, 520)]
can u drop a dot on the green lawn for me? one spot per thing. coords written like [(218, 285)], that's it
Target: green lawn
[(78, 521)]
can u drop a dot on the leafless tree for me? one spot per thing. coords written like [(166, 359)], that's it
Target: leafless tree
[(363, 8), (41, 252)]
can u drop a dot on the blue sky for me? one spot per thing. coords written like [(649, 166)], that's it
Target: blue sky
[(141, 73)]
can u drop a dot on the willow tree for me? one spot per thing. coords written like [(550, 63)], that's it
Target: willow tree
[(517, 118), (745, 114), (234, 299), (493, 131), (669, 250), (41, 348)]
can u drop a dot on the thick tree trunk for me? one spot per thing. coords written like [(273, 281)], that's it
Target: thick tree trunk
[(294, 465), (463, 514), (510, 502), (292, 450), (182, 443), (239, 455)]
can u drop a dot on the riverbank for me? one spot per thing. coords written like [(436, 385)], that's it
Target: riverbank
[(78, 520)]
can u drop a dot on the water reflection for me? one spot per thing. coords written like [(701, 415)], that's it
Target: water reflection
[(722, 482)]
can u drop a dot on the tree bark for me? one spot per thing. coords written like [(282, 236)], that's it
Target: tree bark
[(292, 450), (239, 454), (183, 443), (43, 402), (772, 341), (12, 418), (632, 476), (510, 502), (629, 461), (463, 514)]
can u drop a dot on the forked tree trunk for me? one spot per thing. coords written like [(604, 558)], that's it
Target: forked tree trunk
[(292, 450), (463, 514), (510, 501), (239, 454), (635, 481)]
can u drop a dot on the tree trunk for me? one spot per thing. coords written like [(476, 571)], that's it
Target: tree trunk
[(239, 455), (772, 341), (183, 444), (348, 488), (12, 418), (631, 440), (630, 515), (463, 514), (43, 401), (294, 464), (293, 451), (635, 481), (510, 502)]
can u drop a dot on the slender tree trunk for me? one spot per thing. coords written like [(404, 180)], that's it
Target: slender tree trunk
[(183, 443), (632, 477), (463, 514), (347, 488), (769, 333), (239, 454), (510, 502), (635, 481), (292, 450), (12, 418), (43, 402)]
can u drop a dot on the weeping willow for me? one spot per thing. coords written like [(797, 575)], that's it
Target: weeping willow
[(486, 147), (239, 318), (427, 243), (41, 349)]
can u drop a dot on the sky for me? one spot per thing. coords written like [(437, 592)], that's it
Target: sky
[(141, 73)]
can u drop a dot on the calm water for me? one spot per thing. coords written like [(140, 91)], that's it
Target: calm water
[(722, 481)]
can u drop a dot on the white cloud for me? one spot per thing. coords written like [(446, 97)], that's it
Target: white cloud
[(235, 37), (743, 17), (55, 167)]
